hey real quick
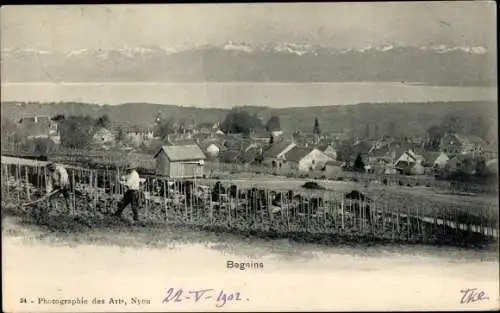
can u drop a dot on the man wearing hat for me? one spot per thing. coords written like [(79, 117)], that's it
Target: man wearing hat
[(132, 181), (59, 181)]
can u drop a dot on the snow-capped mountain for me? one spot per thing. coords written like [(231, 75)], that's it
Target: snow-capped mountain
[(239, 61)]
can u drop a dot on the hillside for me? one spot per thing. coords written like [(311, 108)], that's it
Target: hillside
[(407, 118)]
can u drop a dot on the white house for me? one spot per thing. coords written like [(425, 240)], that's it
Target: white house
[(212, 150), (441, 160), (306, 159)]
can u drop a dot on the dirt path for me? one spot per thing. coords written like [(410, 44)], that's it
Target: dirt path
[(294, 276)]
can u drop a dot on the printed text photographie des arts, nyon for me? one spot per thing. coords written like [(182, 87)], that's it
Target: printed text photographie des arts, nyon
[(250, 157)]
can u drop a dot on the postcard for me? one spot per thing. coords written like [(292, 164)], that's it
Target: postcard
[(249, 157)]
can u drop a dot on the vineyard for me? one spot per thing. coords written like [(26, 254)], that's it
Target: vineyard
[(112, 159), (320, 215)]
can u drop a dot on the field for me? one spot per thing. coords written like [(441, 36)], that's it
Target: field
[(267, 207)]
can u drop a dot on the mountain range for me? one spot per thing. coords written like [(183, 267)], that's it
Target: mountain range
[(240, 62)]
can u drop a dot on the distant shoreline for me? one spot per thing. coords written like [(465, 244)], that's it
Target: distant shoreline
[(231, 94)]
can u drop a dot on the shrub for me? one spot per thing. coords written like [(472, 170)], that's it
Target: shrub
[(384, 181)]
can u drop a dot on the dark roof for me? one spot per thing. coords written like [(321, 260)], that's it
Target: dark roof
[(296, 154), (237, 144), (461, 157), (250, 156), (276, 149), (322, 147), (431, 156), (182, 153), (230, 156), (261, 133), (403, 165)]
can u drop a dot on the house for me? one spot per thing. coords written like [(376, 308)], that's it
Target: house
[(103, 136), (260, 135), (229, 156), (138, 135), (491, 150), (410, 163), (274, 155), (180, 161), (38, 127), (328, 149), (453, 143), (251, 156), (492, 166), (306, 159), (212, 150), (435, 159), (333, 168), (205, 128)]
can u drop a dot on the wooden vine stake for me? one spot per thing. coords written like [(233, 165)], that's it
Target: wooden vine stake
[(28, 194), (73, 185)]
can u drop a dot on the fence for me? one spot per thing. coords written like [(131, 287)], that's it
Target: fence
[(146, 161), (206, 202), (389, 179)]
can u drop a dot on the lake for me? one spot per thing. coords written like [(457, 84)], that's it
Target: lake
[(226, 95)]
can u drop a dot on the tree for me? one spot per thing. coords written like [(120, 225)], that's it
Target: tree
[(77, 131), (40, 146), (316, 128), (273, 124), (103, 121), (433, 137), (166, 128), (344, 151), (359, 165), (121, 135), (240, 122), (58, 118), (10, 134)]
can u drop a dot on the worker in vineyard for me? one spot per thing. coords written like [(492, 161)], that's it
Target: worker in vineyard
[(58, 183), (132, 181)]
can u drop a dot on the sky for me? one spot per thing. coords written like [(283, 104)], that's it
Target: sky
[(342, 25)]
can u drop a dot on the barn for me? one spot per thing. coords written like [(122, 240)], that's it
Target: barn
[(180, 161)]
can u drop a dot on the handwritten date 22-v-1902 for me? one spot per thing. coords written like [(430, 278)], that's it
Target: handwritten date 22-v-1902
[(220, 297)]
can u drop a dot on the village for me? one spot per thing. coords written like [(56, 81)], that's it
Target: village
[(187, 149)]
